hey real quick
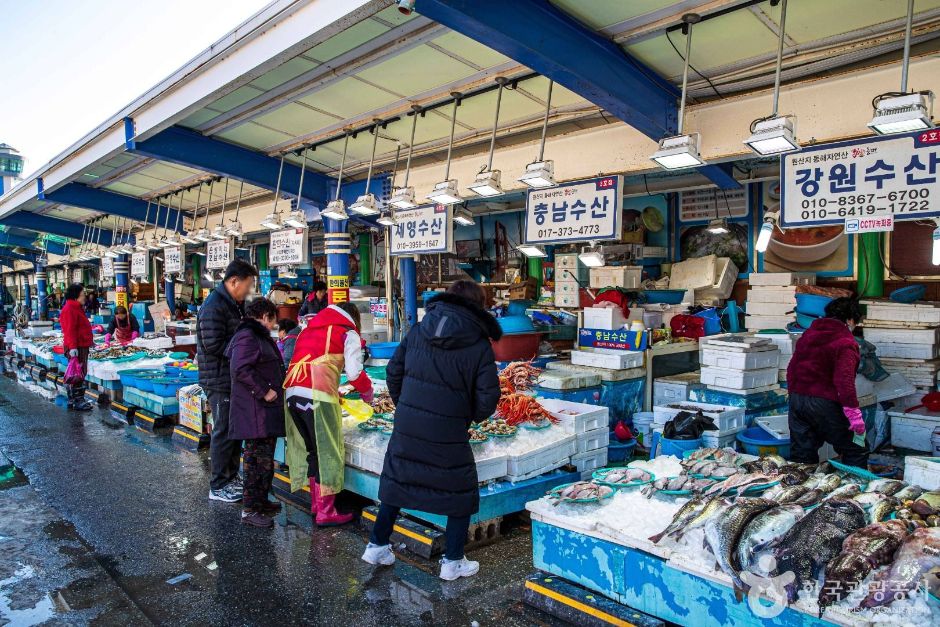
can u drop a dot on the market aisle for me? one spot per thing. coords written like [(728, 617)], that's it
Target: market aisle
[(139, 507)]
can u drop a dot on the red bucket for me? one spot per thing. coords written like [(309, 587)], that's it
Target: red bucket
[(517, 346)]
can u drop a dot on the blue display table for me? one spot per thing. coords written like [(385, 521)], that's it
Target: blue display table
[(755, 405)]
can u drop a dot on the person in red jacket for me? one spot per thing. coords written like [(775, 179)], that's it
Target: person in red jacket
[(76, 340), (821, 385), (329, 346)]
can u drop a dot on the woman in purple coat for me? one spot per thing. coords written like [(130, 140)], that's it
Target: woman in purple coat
[(257, 406)]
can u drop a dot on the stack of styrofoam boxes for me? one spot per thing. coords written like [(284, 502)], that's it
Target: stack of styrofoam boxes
[(771, 299), (739, 363), (729, 420), (786, 343), (675, 388), (570, 276), (590, 424), (907, 339)]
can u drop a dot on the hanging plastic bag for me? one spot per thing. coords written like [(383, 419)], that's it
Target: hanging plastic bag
[(74, 372), (691, 327)]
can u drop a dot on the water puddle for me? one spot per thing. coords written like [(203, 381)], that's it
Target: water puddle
[(43, 610)]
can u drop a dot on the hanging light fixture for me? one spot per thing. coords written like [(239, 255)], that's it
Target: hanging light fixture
[(154, 243), (387, 218), (532, 250), (766, 231), (463, 217), (297, 218), (718, 226), (487, 182), (681, 151), (776, 133), (219, 231), (336, 209), (287, 272), (164, 239), (592, 257), (404, 196), (366, 205), (901, 112), (126, 246), (446, 192), (203, 234), (112, 251), (235, 228), (541, 173), (172, 240), (189, 237), (80, 250), (209, 275)]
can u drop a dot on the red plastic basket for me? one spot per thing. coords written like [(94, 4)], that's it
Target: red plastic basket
[(515, 346)]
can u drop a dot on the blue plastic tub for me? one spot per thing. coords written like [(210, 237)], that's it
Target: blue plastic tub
[(518, 307), (909, 294), (171, 371), (383, 350), (712, 321), (677, 447), (167, 387), (812, 304), (620, 451), (805, 320), (756, 441), (668, 297), (516, 324)]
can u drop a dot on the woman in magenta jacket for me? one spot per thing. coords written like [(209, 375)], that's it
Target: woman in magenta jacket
[(77, 339), (821, 383)]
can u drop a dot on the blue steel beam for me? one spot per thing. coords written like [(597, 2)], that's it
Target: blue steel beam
[(77, 195), (541, 36), (9, 254), (55, 226), (29, 242), (191, 149)]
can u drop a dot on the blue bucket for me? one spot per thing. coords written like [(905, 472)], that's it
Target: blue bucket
[(756, 441), (676, 447), (712, 321), (383, 350), (620, 451), (812, 304)]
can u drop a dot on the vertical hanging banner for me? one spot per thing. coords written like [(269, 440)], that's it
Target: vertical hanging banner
[(582, 211), (219, 254), (337, 289), (288, 247), (139, 262), (120, 296), (107, 267), (423, 230), (173, 259)]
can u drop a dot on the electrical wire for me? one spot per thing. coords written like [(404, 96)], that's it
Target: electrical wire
[(692, 67)]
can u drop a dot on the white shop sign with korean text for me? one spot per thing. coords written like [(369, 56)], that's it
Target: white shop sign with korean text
[(218, 254), (173, 259), (107, 267), (574, 212), (139, 263), (288, 247), (896, 175), (423, 230)]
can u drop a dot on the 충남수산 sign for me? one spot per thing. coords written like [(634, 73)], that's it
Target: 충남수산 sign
[(580, 211)]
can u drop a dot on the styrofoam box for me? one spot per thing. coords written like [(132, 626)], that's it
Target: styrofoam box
[(726, 273), (739, 379), (653, 252), (901, 336), (567, 300), (922, 471), (779, 427), (726, 418), (785, 342), (584, 417), (566, 287), (606, 318), (593, 440), (759, 323), (370, 460), (548, 458), (669, 390), (573, 264), (900, 312), (780, 295), (561, 380), (907, 351), (782, 278), (693, 274), (913, 430), (784, 361), (757, 360), (627, 277), (716, 439), (590, 461), (621, 360), (769, 309)]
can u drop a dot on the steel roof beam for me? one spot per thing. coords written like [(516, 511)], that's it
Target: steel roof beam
[(9, 254), (78, 195), (12, 239), (55, 226)]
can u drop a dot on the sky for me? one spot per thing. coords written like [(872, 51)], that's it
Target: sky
[(69, 65)]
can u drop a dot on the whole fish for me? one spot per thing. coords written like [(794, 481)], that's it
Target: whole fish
[(702, 453), (792, 475), (686, 513), (880, 510), (722, 534), (814, 540), (919, 554), (725, 471), (911, 492), (830, 483), (788, 495), (764, 531), (810, 498), (844, 491), (776, 460), (868, 548), (713, 507), (885, 486), (867, 499), (815, 480), (740, 482), (762, 465)]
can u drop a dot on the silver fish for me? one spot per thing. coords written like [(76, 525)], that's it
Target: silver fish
[(880, 510), (713, 507), (911, 492), (725, 471), (789, 495), (886, 486), (844, 491), (868, 499), (919, 554), (722, 534), (810, 498), (830, 483), (765, 530), (686, 513)]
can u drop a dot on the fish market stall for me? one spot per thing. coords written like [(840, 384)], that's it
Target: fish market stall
[(800, 546)]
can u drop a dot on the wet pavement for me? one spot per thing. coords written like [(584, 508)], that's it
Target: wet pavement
[(111, 525)]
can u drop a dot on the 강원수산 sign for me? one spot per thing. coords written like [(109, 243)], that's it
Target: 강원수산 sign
[(893, 175), (139, 264), (422, 230), (218, 254), (574, 212), (173, 259), (288, 247)]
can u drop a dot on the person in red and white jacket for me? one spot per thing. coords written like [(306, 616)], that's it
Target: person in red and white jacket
[(328, 346), (77, 339)]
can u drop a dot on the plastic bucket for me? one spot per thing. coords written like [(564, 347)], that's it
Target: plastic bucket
[(643, 426), (620, 451), (935, 442), (756, 441), (712, 321), (677, 447), (812, 304), (383, 350)]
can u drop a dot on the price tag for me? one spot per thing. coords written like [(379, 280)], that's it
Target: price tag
[(582, 211), (107, 267)]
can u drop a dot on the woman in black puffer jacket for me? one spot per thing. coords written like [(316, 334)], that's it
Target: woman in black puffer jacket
[(442, 378)]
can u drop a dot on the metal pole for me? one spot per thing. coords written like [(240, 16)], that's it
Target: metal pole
[(499, 96), (453, 125), (342, 166), (300, 186), (389, 292), (907, 45), (548, 106), (205, 224), (277, 188), (685, 76), (411, 145), (375, 140), (783, 25)]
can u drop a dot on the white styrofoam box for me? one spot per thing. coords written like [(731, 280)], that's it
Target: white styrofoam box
[(590, 461), (901, 336), (654, 252), (370, 460), (717, 439), (567, 287), (769, 309), (782, 278), (739, 379), (784, 361), (779, 427), (593, 440), (567, 300), (922, 471), (901, 312), (759, 323), (490, 468), (562, 380), (785, 342), (621, 360), (726, 418), (779, 295), (651, 319), (569, 267), (726, 273), (693, 274), (740, 361), (547, 458), (606, 318), (627, 277), (675, 389), (582, 416), (908, 351), (892, 388), (604, 373), (913, 429)]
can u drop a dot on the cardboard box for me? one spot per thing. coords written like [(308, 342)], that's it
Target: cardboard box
[(523, 291), (607, 318)]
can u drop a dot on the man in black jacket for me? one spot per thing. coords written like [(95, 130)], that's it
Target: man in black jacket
[(216, 323)]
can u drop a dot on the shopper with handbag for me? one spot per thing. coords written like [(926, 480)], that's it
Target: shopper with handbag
[(77, 339)]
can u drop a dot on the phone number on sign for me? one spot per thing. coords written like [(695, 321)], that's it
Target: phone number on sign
[(431, 244), (903, 201), (568, 231)]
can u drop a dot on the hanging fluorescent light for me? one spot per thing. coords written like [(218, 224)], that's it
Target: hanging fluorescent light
[(272, 221), (446, 192), (387, 218), (463, 217), (365, 205), (219, 232), (335, 210), (487, 182), (110, 253), (234, 229), (718, 226), (208, 276), (532, 250), (766, 231), (591, 257), (203, 235), (902, 114), (403, 198), (287, 272), (154, 243), (541, 172), (178, 277), (681, 150), (935, 258), (296, 219)]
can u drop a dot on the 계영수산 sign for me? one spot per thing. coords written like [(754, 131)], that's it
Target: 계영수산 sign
[(422, 230)]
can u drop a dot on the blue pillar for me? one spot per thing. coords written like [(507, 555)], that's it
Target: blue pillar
[(338, 245), (122, 268), (42, 291), (409, 288), (169, 287), (27, 301)]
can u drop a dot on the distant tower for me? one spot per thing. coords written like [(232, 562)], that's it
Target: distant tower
[(11, 167)]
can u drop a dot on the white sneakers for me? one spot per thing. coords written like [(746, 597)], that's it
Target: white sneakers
[(379, 555), (455, 569)]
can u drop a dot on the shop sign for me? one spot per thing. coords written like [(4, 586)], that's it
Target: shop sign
[(191, 410), (337, 282), (120, 296), (76, 275), (378, 307), (423, 230), (139, 262), (880, 224), (173, 259), (711, 204), (623, 339), (107, 267), (581, 211), (288, 247), (218, 254), (893, 175)]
